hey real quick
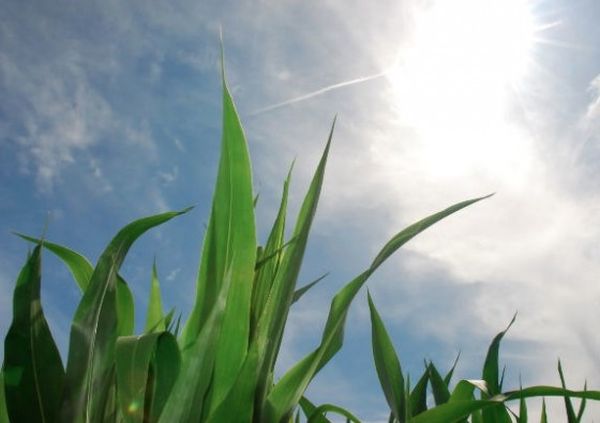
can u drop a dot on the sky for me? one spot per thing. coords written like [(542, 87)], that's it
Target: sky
[(111, 111)]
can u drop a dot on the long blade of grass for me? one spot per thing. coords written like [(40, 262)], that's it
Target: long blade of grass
[(230, 245), (32, 370), (82, 269), (94, 327), (155, 321), (387, 364), (273, 317), (292, 385), (271, 257), (571, 416)]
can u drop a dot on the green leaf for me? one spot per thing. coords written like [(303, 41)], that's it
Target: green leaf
[(320, 410), (496, 414), (79, 266), (3, 410), (146, 368), (490, 367), (387, 364), (582, 405), (81, 269), (273, 317), (230, 244), (270, 258), (32, 371), (452, 411), (94, 328), (522, 411), (125, 308), (308, 408), (571, 417), (292, 385), (301, 291), (186, 401), (448, 376), (418, 396), (544, 417), (441, 394), (155, 315)]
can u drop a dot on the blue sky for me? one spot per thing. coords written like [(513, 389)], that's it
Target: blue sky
[(111, 111)]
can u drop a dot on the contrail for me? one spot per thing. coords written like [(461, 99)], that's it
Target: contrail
[(318, 92)]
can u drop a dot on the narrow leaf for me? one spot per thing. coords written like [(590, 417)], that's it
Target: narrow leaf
[(155, 315), (301, 291), (387, 364)]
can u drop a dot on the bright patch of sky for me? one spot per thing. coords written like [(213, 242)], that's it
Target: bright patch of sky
[(111, 111)]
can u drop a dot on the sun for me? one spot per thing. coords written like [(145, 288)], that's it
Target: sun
[(453, 81)]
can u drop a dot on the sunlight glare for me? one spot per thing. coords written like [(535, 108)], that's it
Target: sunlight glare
[(453, 82)]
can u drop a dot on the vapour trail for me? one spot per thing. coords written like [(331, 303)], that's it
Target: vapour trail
[(318, 92)]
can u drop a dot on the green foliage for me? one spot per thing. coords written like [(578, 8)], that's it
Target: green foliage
[(221, 367), (460, 404)]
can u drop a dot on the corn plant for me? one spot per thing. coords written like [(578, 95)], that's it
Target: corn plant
[(460, 404), (220, 366)]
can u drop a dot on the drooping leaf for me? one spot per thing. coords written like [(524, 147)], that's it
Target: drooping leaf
[(79, 266), (387, 364), (308, 408), (81, 269), (94, 328), (320, 410), (32, 370)]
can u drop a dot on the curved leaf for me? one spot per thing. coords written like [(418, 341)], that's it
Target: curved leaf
[(94, 328)]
